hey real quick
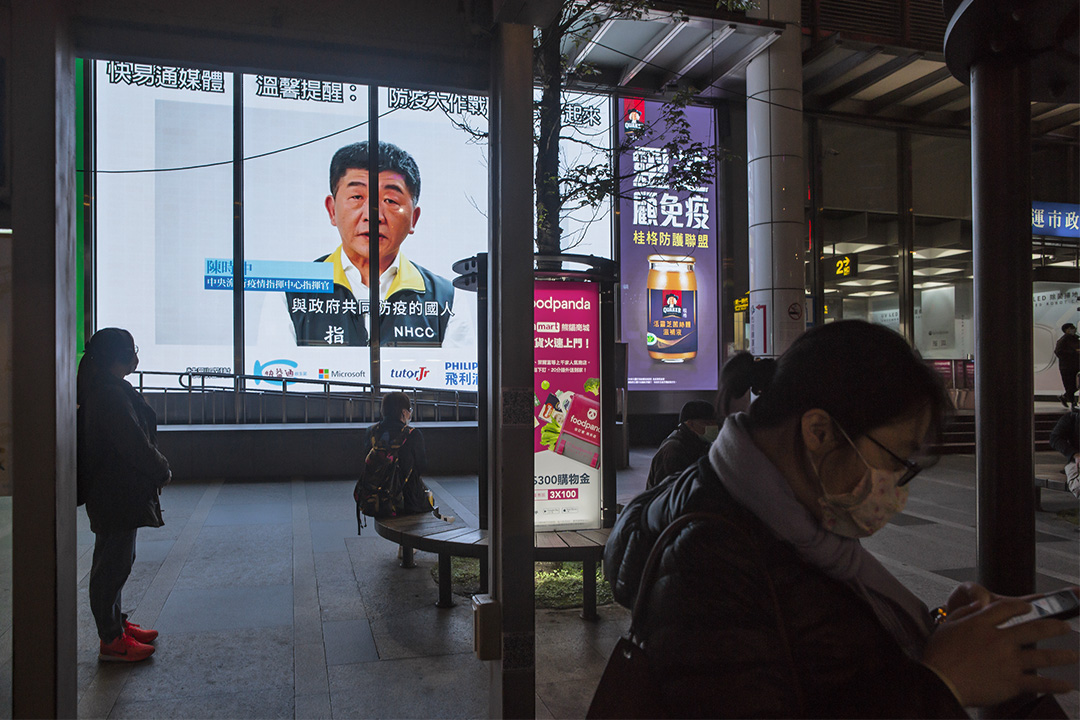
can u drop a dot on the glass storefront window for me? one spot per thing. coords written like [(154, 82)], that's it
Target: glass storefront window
[(859, 224), (942, 268)]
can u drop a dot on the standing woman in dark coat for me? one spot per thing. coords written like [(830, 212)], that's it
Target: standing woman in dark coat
[(121, 474)]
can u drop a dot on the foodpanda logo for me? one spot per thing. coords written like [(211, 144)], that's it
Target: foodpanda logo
[(415, 375), (591, 414)]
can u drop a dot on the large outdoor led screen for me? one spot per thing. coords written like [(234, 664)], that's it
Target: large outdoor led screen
[(306, 219), (163, 234)]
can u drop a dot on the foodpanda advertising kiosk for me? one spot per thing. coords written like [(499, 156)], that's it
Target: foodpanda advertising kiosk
[(573, 389)]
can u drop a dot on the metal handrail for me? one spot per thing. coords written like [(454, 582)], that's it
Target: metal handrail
[(357, 399)]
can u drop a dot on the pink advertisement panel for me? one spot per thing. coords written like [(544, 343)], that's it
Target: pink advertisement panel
[(566, 404)]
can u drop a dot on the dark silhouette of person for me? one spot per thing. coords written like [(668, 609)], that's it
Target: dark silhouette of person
[(686, 444), (1067, 351), (121, 473)]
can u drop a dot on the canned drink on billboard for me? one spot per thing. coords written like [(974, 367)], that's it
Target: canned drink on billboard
[(672, 308)]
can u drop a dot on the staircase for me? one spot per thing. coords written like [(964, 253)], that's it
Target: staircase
[(959, 436)]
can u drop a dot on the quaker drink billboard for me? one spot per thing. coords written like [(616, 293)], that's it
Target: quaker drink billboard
[(566, 400), (668, 270)]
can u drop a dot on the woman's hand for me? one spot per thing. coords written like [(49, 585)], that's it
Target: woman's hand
[(986, 665), (969, 595)]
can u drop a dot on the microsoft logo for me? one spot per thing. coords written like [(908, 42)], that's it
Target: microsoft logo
[(324, 373)]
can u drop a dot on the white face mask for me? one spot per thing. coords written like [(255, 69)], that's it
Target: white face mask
[(869, 506), (711, 433)]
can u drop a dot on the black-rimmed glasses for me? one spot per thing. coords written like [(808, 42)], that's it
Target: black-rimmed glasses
[(913, 468)]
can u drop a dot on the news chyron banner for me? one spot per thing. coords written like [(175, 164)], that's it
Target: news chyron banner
[(668, 262), (566, 400)]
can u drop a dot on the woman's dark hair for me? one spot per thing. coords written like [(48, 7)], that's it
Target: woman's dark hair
[(107, 346), (864, 375), (393, 404)]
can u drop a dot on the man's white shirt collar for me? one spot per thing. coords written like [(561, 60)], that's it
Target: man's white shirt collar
[(357, 283)]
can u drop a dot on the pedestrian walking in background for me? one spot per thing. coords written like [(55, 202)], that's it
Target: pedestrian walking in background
[(120, 476), (1067, 352), (1065, 438)]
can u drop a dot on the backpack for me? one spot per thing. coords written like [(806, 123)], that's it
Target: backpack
[(379, 492)]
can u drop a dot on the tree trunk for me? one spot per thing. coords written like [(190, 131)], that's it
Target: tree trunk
[(548, 203)]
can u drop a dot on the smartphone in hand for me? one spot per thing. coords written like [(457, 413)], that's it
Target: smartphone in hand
[(1062, 604)]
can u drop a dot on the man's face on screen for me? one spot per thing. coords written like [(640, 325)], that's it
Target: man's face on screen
[(348, 209)]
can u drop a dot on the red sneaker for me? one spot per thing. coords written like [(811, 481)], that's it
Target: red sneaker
[(125, 649), (140, 634)]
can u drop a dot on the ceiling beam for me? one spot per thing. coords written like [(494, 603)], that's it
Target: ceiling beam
[(1056, 122), (905, 91), (589, 41), (936, 103), (741, 59), (687, 62), (815, 52), (867, 79), (1041, 108), (646, 54), (837, 70)]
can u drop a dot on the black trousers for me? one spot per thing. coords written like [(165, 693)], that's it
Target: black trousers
[(1068, 381), (114, 554)]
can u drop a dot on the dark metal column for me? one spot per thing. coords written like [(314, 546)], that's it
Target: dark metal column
[(374, 270), (1004, 384), (43, 332), (817, 204), (238, 247), (510, 364), (905, 231)]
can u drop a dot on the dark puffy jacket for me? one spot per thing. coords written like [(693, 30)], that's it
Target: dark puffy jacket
[(681, 449), (736, 624), (121, 467), (1065, 437)]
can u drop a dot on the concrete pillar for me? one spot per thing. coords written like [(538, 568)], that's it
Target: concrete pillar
[(42, 112), (776, 185), (510, 371), (1001, 229)]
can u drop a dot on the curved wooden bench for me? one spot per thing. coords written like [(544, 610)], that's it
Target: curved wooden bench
[(430, 534), (1050, 476)]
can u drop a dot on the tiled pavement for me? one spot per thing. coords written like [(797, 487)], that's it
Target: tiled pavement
[(270, 605)]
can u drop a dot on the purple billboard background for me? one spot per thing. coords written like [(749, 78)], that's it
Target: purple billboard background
[(655, 220)]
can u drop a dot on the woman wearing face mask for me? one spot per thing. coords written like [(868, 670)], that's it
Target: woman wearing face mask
[(121, 474), (686, 444), (776, 610)]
